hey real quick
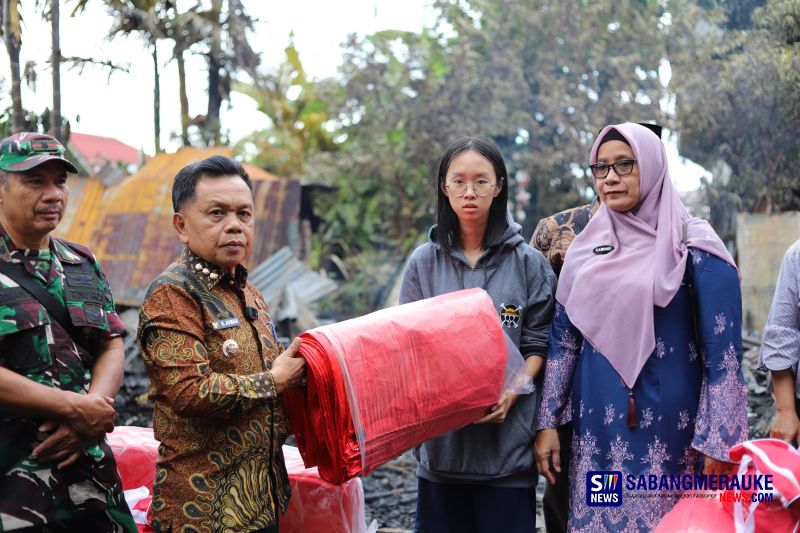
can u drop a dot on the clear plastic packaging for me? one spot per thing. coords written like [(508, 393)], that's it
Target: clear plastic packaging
[(135, 451), (517, 379), (317, 505)]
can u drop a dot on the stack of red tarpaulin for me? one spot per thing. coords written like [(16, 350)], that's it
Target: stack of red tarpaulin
[(383, 383), (315, 505), (136, 450), (760, 508)]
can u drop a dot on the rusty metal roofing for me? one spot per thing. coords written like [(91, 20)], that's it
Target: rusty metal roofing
[(129, 225), (85, 196)]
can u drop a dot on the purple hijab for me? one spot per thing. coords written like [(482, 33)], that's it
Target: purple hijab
[(610, 297)]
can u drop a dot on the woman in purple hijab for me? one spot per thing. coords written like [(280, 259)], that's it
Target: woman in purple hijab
[(645, 344)]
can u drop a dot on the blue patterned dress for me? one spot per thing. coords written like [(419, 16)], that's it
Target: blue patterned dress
[(689, 398)]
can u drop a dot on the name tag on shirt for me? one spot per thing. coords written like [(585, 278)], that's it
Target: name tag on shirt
[(226, 323)]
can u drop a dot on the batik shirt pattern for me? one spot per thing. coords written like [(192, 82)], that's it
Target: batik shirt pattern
[(555, 233), (216, 413)]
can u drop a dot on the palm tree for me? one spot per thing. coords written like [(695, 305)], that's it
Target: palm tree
[(229, 52), (224, 28), (55, 59), (12, 35), (214, 66), (185, 29), (143, 17)]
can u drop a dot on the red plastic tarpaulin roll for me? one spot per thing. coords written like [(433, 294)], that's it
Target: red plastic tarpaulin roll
[(383, 383), (315, 505)]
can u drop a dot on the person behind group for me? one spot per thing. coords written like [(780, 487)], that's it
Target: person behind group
[(553, 236), (61, 356), (645, 345), (555, 233), (216, 366), (482, 478), (780, 348)]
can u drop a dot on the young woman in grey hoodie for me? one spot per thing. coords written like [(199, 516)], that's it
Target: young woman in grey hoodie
[(482, 478)]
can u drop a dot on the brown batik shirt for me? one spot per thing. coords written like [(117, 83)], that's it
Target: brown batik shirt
[(216, 413), (555, 233)]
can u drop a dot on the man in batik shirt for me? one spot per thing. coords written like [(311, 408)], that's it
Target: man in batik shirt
[(555, 233), (216, 366), (61, 357), (552, 237)]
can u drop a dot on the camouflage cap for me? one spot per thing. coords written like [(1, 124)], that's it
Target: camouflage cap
[(24, 151)]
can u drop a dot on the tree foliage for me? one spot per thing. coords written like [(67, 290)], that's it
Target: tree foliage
[(538, 77), (297, 108), (738, 108), (541, 78)]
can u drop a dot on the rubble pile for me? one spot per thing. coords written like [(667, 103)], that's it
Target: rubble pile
[(760, 405)]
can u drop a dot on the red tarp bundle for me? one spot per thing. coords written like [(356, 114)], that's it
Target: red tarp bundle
[(381, 384), (781, 461), (315, 505), (136, 450), (746, 511)]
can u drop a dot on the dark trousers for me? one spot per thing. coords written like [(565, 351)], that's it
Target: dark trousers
[(113, 519), (462, 508), (556, 497)]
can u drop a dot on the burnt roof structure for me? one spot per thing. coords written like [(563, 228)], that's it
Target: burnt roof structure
[(129, 224)]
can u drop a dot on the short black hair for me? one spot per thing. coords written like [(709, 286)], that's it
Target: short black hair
[(448, 232), (216, 166)]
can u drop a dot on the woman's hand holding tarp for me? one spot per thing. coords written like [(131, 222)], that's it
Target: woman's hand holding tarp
[(518, 381)]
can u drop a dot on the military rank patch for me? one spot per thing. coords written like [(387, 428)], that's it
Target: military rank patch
[(510, 315)]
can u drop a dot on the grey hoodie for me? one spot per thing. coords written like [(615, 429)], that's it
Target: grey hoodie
[(522, 286)]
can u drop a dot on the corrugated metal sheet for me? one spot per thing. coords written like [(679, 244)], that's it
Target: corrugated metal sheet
[(282, 270), (289, 287), (130, 230), (85, 196)]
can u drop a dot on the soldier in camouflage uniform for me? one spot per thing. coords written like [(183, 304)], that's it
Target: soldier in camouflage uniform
[(57, 473)]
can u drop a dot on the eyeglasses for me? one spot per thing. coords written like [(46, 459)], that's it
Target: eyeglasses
[(459, 187), (622, 167)]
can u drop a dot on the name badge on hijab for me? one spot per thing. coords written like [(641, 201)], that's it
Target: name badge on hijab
[(603, 250)]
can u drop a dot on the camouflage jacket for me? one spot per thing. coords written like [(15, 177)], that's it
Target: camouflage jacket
[(208, 344), (37, 347), (555, 233)]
